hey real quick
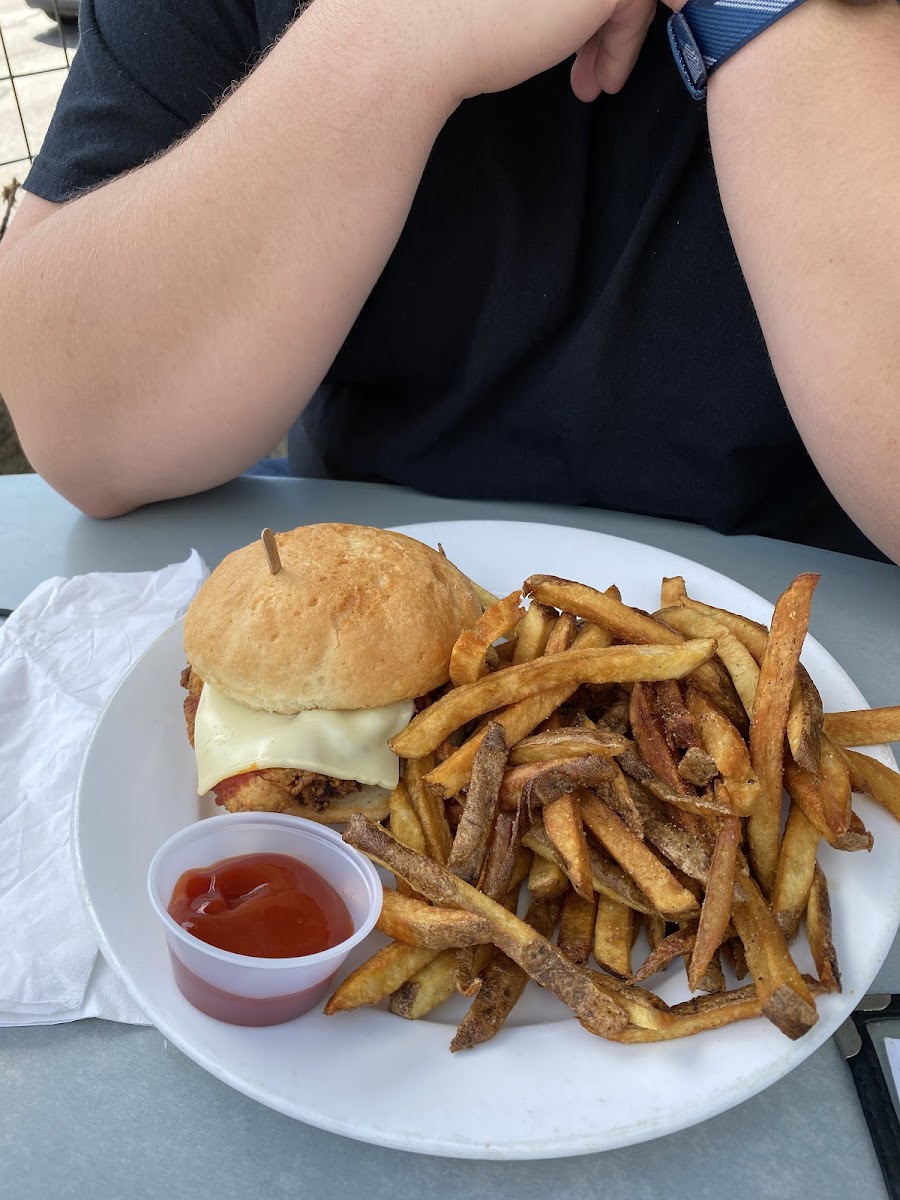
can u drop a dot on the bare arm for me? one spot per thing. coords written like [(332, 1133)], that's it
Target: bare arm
[(805, 126), (187, 336)]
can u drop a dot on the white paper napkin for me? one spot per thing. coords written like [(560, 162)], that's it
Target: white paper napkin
[(63, 652)]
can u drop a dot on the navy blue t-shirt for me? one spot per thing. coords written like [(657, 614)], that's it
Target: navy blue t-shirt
[(564, 317)]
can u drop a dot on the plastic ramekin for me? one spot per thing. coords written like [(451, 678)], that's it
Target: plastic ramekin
[(238, 988)]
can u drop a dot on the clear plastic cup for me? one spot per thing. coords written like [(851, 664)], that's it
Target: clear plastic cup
[(238, 988)]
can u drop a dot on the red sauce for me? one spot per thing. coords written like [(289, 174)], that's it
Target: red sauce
[(264, 905), (244, 1010)]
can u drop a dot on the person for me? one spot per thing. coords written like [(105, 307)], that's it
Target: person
[(494, 270)]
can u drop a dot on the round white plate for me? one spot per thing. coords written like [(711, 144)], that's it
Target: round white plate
[(544, 1087)]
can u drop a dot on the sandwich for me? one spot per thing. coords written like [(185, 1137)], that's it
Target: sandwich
[(302, 665)]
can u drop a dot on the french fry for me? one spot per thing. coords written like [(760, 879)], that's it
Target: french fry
[(617, 795), (472, 834), (734, 952), (686, 852), (468, 658), (532, 633), (857, 836), (542, 782), (562, 635), (435, 983), (677, 945), (768, 722), (672, 591), (804, 724), (594, 1006), (645, 1009), (876, 780), (818, 932), (428, 808), (405, 826), (576, 926), (627, 624), (825, 797), (567, 743), (612, 937), (503, 983), (677, 722), (736, 658), (562, 822), (805, 720), (713, 978), (653, 878), (864, 727), (648, 732), (518, 720), (416, 923), (655, 927), (637, 769), (715, 912), (796, 866), (380, 975), (699, 1015), (607, 876), (728, 750), (614, 664), (404, 823), (496, 880), (784, 996), (546, 880)]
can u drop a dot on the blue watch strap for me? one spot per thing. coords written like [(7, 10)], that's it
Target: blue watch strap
[(707, 32)]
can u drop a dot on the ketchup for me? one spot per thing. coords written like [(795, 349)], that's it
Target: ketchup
[(264, 905)]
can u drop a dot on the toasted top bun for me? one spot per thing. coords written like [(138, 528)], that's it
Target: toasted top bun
[(356, 618)]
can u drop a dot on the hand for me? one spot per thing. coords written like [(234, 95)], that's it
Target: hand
[(604, 63), (475, 46)]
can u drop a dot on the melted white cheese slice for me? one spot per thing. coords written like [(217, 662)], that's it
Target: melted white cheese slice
[(230, 738)]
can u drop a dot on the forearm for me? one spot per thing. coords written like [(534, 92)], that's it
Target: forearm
[(805, 128), (193, 305)]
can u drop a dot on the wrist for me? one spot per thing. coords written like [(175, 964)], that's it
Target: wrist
[(377, 53)]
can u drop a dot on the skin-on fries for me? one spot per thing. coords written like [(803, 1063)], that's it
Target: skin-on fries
[(504, 982), (612, 937), (864, 727), (796, 866), (805, 716), (429, 809), (518, 720), (716, 911), (380, 975), (875, 779), (562, 822), (623, 622), (416, 923), (576, 926), (768, 723), (620, 781), (468, 661), (614, 664), (474, 829), (661, 887), (582, 991)]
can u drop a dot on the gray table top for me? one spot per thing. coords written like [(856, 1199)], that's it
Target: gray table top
[(101, 1110)]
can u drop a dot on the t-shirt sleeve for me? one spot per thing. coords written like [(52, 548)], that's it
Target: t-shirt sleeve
[(145, 74)]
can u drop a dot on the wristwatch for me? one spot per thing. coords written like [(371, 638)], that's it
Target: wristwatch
[(707, 32)]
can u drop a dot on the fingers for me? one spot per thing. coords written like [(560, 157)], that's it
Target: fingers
[(604, 63)]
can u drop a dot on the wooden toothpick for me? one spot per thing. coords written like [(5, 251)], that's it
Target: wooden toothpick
[(268, 541)]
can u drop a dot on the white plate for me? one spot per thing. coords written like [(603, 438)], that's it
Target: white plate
[(544, 1087)]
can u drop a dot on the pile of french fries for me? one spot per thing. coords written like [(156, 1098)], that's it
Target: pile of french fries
[(630, 772)]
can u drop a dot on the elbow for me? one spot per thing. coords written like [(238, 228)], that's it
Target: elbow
[(89, 487)]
